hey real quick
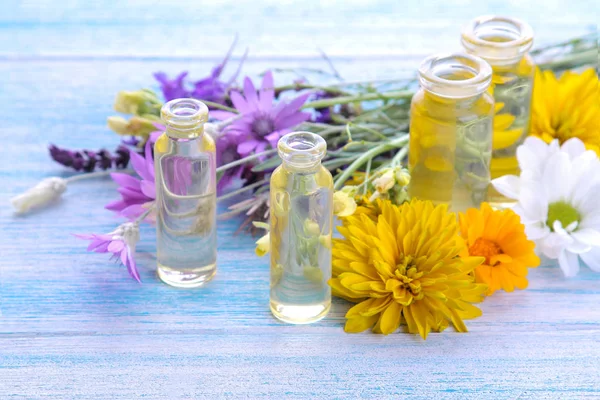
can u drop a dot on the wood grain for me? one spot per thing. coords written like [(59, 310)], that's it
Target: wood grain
[(74, 325)]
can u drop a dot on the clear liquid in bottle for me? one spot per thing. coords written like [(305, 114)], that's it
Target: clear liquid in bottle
[(185, 197)]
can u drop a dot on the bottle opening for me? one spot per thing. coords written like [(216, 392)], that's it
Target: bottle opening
[(302, 149), (497, 39), (184, 117), (455, 75)]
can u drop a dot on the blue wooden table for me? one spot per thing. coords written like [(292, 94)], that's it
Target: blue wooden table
[(74, 325)]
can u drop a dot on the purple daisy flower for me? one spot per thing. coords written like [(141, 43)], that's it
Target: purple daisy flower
[(137, 194), (120, 242), (261, 123), (210, 88)]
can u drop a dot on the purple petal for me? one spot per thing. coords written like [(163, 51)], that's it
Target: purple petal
[(291, 120), (148, 189), (149, 160), (116, 246), (155, 135), (240, 103), (250, 94), (140, 166), (246, 148), (260, 147), (125, 180), (102, 247), (133, 211), (117, 205), (222, 115), (132, 195), (267, 92), (293, 106), (129, 262)]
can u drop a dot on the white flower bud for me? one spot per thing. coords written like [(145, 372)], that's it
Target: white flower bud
[(40, 195)]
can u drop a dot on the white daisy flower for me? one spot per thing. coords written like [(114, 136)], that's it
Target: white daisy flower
[(557, 194)]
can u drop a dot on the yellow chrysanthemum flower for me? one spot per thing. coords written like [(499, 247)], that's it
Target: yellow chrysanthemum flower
[(403, 268), (567, 107), (499, 236)]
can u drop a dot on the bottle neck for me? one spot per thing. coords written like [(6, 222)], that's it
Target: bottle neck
[(500, 41), (184, 118), (454, 77), (301, 151)]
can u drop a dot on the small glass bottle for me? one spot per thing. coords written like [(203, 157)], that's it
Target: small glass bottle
[(301, 228), (504, 43), (185, 174), (451, 131)]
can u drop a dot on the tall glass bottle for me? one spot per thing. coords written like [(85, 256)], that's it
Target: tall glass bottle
[(301, 228), (504, 43), (185, 173), (451, 131)]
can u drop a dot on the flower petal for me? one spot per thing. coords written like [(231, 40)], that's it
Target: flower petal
[(508, 185), (592, 259), (239, 102), (140, 165), (588, 236), (267, 92), (250, 94), (574, 147), (569, 263), (116, 246)]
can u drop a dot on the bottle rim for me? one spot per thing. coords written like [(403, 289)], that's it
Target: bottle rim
[(184, 117), (301, 149), (433, 69), (518, 35)]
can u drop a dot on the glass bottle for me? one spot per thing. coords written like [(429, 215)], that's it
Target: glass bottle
[(504, 43), (301, 228), (185, 174), (451, 131)]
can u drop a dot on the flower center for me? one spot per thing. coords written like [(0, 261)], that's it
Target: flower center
[(407, 274), (485, 248), (563, 212), (263, 125)]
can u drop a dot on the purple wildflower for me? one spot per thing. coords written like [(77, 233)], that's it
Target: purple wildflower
[(210, 88), (137, 194), (323, 115), (120, 242), (88, 160), (261, 123), (172, 89)]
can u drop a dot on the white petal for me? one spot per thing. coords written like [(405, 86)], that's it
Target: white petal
[(573, 147), (558, 228), (556, 177), (591, 221), (534, 202), (569, 263), (536, 231), (587, 236), (589, 204), (532, 154), (553, 244), (577, 247), (508, 185), (592, 259), (572, 226)]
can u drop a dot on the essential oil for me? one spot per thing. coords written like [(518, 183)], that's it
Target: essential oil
[(301, 229), (451, 131), (185, 170), (504, 43)]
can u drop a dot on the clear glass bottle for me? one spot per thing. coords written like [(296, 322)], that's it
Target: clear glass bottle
[(504, 43), (301, 228), (451, 131), (185, 173)]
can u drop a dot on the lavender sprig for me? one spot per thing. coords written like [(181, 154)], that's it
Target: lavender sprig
[(88, 160)]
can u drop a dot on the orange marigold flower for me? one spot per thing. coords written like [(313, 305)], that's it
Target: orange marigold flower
[(499, 236)]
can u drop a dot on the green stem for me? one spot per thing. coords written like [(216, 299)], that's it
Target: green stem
[(397, 160), (382, 148), (245, 160), (401, 94), (98, 174), (243, 189), (576, 59), (220, 106)]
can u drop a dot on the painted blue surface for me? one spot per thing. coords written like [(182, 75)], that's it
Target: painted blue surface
[(74, 325)]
